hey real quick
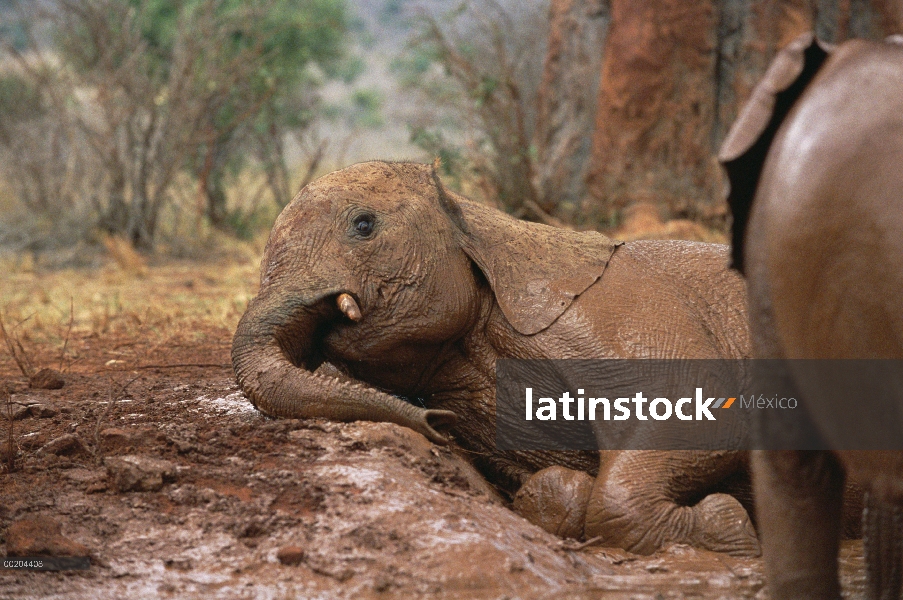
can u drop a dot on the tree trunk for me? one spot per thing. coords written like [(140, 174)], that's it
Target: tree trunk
[(216, 200), (674, 75), (567, 103)]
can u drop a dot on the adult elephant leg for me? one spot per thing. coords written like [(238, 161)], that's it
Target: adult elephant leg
[(645, 499), (882, 528), (799, 498)]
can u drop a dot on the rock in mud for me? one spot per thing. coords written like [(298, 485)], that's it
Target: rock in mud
[(65, 445), (41, 536), (290, 555), (440, 464), (179, 563), (22, 406), (135, 473), (85, 477), (116, 439), (17, 410), (47, 379), (43, 410)]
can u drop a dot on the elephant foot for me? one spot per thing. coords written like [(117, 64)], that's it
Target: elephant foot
[(882, 526), (641, 503), (721, 524), (556, 499), (718, 523)]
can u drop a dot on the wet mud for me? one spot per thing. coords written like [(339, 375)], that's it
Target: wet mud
[(176, 487)]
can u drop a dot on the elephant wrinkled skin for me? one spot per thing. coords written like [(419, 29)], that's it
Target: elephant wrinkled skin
[(378, 284), (816, 166)]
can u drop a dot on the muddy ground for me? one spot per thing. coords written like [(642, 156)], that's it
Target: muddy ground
[(150, 461)]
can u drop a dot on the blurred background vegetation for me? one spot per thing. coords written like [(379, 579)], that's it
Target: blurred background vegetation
[(172, 126)]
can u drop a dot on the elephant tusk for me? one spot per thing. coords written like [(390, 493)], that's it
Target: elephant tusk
[(349, 307)]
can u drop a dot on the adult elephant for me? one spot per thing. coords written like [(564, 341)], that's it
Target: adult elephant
[(412, 291), (816, 166)]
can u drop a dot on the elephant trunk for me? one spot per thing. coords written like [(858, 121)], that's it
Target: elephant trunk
[(272, 355)]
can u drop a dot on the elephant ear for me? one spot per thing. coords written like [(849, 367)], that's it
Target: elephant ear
[(535, 271), (746, 146)]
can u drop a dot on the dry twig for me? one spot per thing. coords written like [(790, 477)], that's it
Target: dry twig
[(10, 436), (20, 357), (98, 456), (68, 332)]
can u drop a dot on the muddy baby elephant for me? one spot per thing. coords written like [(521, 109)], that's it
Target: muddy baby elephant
[(379, 285), (816, 166)]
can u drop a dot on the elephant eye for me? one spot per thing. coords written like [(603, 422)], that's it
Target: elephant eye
[(362, 225)]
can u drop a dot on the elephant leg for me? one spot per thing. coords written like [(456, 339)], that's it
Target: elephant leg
[(799, 498), (882, 528), (644, 499), (555, 499)]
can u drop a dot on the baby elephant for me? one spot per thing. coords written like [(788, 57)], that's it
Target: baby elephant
[(816, 167), (379, 285)]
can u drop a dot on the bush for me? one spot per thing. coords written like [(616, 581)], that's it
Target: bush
[(481, 65), (139, 92)]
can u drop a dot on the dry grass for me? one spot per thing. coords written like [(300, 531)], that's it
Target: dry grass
[(154, 305)]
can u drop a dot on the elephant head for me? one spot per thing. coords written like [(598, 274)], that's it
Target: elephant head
[(377, 269)]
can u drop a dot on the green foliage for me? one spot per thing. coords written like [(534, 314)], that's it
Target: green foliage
[(246, 223), (283, 38), (416, 62), (15, 34), (366, 105), (146, 96), (483, 92), (288, 33), (480, 64), (391, 12), (350, 68)]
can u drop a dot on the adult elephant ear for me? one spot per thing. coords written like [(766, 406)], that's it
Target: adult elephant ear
[(535, 271), (746, 146)]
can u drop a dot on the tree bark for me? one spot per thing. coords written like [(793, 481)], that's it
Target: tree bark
[(566, 103), (673, 78)]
